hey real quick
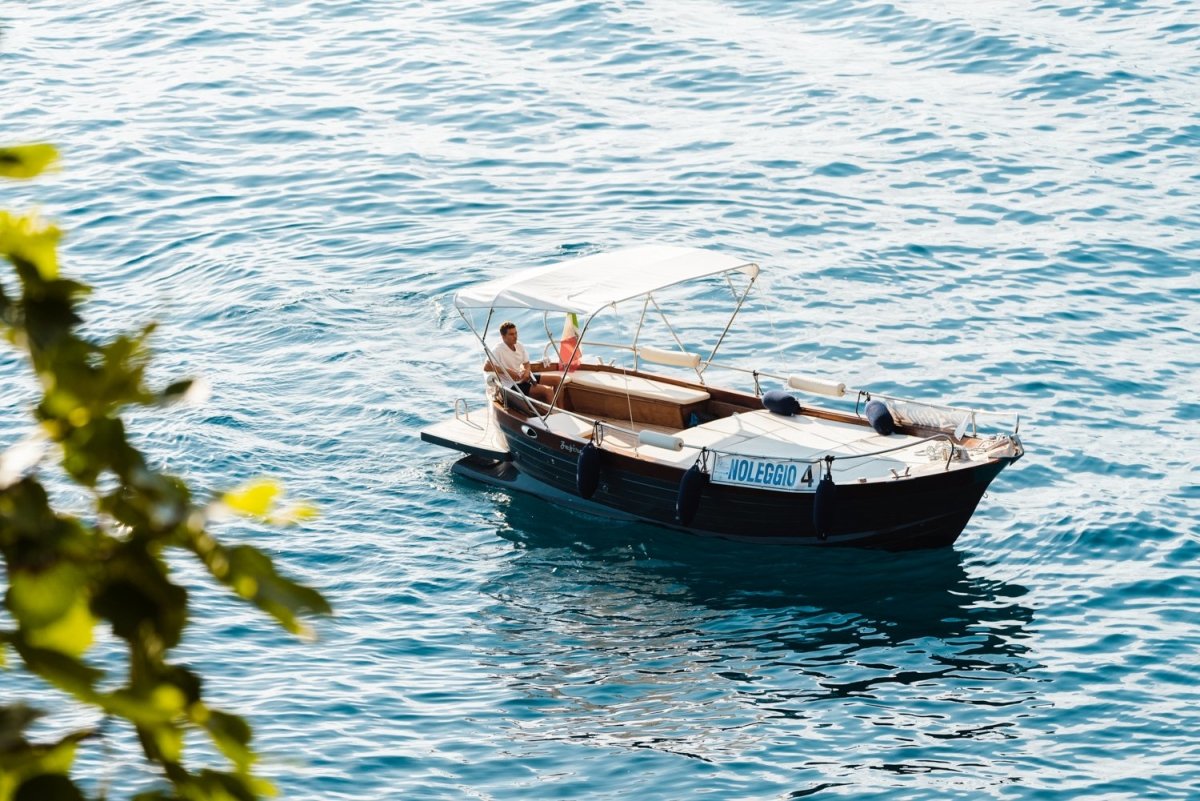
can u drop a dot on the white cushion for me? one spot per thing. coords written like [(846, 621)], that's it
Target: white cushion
[(637, 387), (568, 425)]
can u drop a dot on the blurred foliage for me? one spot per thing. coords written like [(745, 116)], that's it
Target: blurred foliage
[(67, 574)]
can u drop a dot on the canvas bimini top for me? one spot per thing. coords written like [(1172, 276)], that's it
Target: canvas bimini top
[(590, 283)]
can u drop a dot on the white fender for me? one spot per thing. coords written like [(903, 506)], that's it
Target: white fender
[(658, 440), (816, 386), (675, 358)]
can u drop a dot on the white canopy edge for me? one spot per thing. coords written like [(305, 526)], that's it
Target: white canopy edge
[(590, 283)]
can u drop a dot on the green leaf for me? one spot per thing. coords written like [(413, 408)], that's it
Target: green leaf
[(231, 787), (66, 672), (188, 683), (39, 597), (51, 606), (30, 243), (145, 706), (14, 719), (48, 787), (70, 634), (36, 771), (232, 735), (26, 161), (168, 740), (253, 576), (62, 572), (176, 391), (138, 599)]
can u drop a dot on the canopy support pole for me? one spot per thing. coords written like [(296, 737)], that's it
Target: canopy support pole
[(638, 332), (736, 309)]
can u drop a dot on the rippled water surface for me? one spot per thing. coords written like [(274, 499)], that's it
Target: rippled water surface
[(993, 203)]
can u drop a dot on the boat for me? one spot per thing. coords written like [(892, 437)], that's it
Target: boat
[(638, 427)]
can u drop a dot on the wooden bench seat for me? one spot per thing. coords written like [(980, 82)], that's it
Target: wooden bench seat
[(618, 396)]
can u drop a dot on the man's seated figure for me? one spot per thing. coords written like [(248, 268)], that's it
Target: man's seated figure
[(510, 363)]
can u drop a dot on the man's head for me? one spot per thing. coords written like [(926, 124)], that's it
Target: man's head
[(508, 332)]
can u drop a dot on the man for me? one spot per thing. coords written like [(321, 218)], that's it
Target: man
[(510, 363)]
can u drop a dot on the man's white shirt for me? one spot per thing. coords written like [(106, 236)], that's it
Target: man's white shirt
[(509, 359)]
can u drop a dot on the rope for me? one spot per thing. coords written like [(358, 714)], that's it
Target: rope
[(663, 315), (629, 405)]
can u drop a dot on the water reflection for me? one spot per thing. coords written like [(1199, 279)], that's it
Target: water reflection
[(893, 596), (634, 635)]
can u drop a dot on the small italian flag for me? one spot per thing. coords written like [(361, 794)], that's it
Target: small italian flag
[(569, 355)]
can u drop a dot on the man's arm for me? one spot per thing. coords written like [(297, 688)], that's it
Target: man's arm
[(495, 367)]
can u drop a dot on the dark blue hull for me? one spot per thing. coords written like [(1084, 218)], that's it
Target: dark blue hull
[(923, 512)]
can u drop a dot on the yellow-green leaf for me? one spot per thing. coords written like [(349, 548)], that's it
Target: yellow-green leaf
[(52, 607), (39, 597), (168, 699), (169, 739), (254, 498), (231, 734), (26, 161), (58, 759), (29, 239), (261, 498), (70, 634), (295, 514)]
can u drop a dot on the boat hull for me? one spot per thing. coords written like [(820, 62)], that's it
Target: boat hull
[(930, 511)]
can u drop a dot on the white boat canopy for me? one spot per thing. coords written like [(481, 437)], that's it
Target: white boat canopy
[(590, 283)]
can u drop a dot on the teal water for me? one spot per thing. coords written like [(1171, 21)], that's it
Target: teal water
[(994, 203)]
